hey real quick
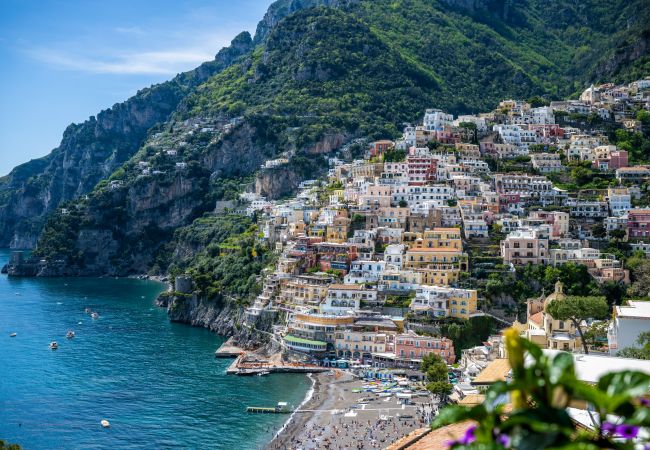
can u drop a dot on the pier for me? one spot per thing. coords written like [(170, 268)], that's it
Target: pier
[(228, 350)]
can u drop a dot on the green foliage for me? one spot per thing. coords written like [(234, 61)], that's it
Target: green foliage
[(540, 393), (228, 257), (7, 446), (640, 352), (636, 144), (468, 333), (394, 155)]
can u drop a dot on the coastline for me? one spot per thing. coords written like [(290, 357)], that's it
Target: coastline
[(297, 422)]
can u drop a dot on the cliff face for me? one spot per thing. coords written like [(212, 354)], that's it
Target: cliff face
[(91, 151), (226, 319)]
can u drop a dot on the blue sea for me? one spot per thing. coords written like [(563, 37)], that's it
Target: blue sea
[(156, 382)]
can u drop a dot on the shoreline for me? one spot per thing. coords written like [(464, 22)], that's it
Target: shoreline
[(287, 423), (314, 399)]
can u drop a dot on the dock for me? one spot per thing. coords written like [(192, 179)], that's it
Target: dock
[(242, 368), (280, 408), (228, 350)]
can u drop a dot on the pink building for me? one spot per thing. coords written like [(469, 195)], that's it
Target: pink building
[(638, 223), (421, 169), (618, 159), (411, 346)]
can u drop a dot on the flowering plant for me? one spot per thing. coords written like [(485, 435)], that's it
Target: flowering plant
[(540, 392)]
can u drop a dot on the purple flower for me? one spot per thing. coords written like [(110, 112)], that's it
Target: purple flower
[(504, 440), (470, 436), (644, 401), (608, 427), (623, 430), (627, 431)]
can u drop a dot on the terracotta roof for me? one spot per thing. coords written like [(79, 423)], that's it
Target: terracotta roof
[(472, 400), (347, 287), (497, 370), (435, 249), (438, 439), (537, 318)]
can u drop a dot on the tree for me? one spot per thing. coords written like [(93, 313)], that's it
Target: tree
[(599, 231), (596, 334), (617, 234), (576, 309), (641, 352), (437, 375), (434, 368), (640, 286), (403, 203)]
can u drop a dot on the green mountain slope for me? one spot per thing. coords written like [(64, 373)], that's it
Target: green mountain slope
[(322, 76)]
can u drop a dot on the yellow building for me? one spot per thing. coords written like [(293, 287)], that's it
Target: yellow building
[(307, 290), (441, 238), (547, 332), (338, 231)]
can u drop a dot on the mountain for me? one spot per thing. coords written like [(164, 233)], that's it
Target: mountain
[(317, 75)]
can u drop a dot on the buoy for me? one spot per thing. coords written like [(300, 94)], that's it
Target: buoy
[(105, 423)]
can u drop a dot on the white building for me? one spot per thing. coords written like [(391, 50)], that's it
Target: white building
[(437, 120), (629, 322), (362, 272), (343, 298)]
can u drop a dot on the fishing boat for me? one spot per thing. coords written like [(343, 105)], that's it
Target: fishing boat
[(69, 334), (53, 345)]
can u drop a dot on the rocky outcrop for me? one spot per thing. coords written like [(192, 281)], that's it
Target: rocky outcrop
[(624, 56), (223, 317), (275, 183), (282, 8)]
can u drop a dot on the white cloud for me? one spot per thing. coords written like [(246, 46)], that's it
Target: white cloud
[(133, 50), (162, 62)]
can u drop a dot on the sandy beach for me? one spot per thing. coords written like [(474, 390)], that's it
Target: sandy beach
[(335, 419)]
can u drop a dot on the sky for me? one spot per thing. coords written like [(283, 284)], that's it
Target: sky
[(62, 61)]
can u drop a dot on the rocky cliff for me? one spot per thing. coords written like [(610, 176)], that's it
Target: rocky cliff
[(227, 318)]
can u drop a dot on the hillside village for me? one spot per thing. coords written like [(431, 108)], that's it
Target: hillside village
[(388, 250)]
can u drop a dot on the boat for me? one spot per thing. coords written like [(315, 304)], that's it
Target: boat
[(263, 373), (53, 345), (88, 310), (13, 335), (69, 334), (105, 423), (94, 315)]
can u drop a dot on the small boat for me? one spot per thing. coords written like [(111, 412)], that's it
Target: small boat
[(263, 373), (105, 423), (88, 310), (53, 345), (69, 334), (13, 335), (94, 315)]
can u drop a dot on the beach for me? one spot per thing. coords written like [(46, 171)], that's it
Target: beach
[(333, 418)]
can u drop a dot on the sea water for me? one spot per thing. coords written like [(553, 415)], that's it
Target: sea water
[(157, 383)]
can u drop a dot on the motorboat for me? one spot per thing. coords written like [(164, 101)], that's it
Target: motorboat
[(69, 334), (263, 373), (105, 423), (53, 345), (13, 335), (94, 315)]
